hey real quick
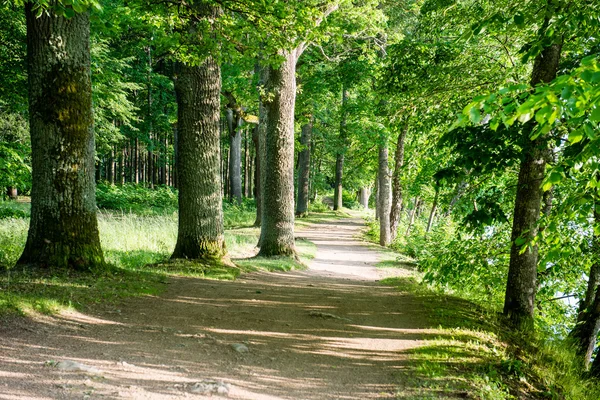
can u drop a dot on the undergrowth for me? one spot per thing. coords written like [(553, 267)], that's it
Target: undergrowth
[(473, 354)]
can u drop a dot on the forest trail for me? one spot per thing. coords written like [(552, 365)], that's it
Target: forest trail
[(330, 332)]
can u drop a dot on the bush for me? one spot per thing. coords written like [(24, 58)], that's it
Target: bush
[(136, 198), (349, 200)]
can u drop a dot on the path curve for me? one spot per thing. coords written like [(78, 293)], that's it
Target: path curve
[(331, 332)]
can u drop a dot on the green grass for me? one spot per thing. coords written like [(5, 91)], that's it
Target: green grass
[(306, 251), (473, 355), (137, 245)]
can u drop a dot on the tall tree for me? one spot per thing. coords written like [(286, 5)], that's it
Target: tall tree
[(198, 87), (304, 168), (522, 272), (397, 184), (384, 194), (63, 231), (339, 160)]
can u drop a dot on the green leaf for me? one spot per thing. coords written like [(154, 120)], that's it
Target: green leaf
[(595, 114), (575, 136)]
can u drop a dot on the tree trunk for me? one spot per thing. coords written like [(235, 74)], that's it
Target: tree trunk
[(365, 194), (433, 208), (522, 271), (413, 213), (384, 196), (304, 169), (257, 171), (377, 205), (234, 126), (586, 330), (396, 184), (200, 234), (277, 228), (339, 161), (63, 230)]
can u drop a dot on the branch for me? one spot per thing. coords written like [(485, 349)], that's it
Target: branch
[(303, 45)]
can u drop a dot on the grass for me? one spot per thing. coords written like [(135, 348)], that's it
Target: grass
[(137, 245), (473, 355)]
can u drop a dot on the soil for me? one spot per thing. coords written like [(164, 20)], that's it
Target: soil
[(330, 332)]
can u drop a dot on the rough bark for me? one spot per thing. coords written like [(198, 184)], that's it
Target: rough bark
[(200, 234), (585, 332), (522, 273), (234, 125), (339, 160), (63, 230), (257, 173), (384, 195), (396, 184), (277, 228), (304, 169)]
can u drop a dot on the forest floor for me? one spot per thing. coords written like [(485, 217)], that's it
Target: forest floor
[(332, 331)]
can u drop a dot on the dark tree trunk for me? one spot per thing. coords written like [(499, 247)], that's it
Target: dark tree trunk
[(396, 184), (339, 160), (522, 273), (585, 332), (63, 230), (234, 126), (200, 234), (257, 171), (433, 208), (277, 228), (246, 166), (384, 195), (304, 169)]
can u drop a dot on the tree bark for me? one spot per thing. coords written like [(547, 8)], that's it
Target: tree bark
[(200, 234), (277, 228), (586, 330), (522, 273), (384, 195), (339, 161), (304, 169), (396, 184), (63, 230), (257, 174), (234, 125)]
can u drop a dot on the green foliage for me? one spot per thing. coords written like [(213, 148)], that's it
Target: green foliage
[(135, 198)]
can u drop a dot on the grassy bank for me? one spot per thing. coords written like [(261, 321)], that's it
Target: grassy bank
[(138, 231), (470, 353)]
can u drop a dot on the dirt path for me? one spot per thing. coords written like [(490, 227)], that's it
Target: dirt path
[(332, 332)]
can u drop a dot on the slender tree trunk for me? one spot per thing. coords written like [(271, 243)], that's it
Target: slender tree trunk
[(200, 234), (396, 184), (433, 208), (377, 205), (365, 194), (304, 169), (339, 161), (63, 230), (258, 170), (234, 126), (413, 213), (277, 228), (384, 195), (522, 273)]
